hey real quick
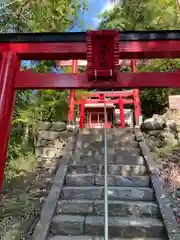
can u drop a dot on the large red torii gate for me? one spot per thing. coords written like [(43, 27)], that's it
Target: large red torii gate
[(102, 49)]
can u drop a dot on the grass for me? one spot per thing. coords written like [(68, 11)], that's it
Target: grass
[(17, 204)]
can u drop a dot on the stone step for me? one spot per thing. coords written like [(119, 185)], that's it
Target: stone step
[(124, 138), (115, 208), (110, 143), (125, 227), (114, 193), (118, 226), (88, 144), (90, 131), (100, 150), (113, 169), (68, 225), (91, 158), (127, 150), (90, 179), (119, 131), (96, 238), (129, 160), (133, 144), (112, 158)]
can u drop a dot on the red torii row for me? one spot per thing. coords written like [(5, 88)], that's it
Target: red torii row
[(102, 49), (121, 97)]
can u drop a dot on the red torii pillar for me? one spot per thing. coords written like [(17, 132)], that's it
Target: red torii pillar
[(82, 109), (136, 97), (72, 94), (10, 64), (121, 109)]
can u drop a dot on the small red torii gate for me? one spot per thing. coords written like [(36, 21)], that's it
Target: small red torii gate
[(100, 98), (102, 49), (121, 101)]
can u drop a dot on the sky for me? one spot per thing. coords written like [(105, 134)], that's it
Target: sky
[(90, 18)]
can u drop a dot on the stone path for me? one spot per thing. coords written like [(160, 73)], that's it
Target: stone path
[(138, 206)]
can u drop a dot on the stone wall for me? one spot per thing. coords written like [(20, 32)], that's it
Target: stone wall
[(50, 142), (162, 130)]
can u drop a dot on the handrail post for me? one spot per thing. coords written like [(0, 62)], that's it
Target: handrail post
[(105, 177)]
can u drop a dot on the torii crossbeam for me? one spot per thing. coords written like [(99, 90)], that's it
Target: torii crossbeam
[(63, 46)]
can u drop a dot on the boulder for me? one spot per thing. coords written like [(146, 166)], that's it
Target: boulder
[(153, 124), (43, 125), (169, 137), (48, 135), (171, 124), (70, 128), (160, 138), (58, 126)]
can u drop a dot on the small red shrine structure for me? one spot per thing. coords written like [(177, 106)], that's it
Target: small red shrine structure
[(94, 114), (92, 104), (93, 107)]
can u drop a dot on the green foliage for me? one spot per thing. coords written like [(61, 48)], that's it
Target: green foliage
[(48, 105), (142, 15), (156, 100), (41, 16), (147, 15)]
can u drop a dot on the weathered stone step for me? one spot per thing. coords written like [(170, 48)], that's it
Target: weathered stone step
[(124, 138), (96, 238), (123, 181), (128, 144), (112, 158), (88, 144), (125, 227), (113, 169), (91, 159), (118, 226), (120, 131), (120, 151), (129, 160), (114, 193), (127, 150), (68, 225), (90, 179), (115, 208), (110, 143)]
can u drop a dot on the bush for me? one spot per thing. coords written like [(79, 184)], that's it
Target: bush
[(156, 100)]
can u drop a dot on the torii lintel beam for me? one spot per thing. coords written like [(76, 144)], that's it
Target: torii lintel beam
[(65, 46), (29, 80)]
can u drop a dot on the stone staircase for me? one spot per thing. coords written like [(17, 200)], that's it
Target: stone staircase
[(133, 211)]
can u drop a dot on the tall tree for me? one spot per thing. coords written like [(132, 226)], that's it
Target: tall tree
[(142, 15), (147, 15), (40, 15)]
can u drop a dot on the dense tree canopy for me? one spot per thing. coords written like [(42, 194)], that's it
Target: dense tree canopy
[(147, 15), (40, 16), (142, 15)]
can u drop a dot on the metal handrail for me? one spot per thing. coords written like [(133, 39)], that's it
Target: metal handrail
[(105, 177)]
